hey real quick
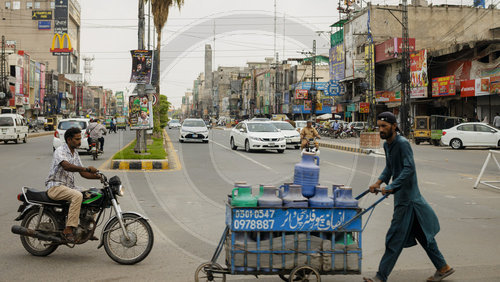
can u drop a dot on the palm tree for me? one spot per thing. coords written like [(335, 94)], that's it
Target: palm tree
[(160, 9)]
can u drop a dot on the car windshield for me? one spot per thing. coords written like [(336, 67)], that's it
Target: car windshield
[(193, 123), (261, 127), (65, 125), (174, 121), (283, 125), (6, 121), (301, 123)]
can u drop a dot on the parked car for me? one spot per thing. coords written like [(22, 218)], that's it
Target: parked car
[(13, 127), (193, 129), (174, 123), (257, 135), (358, 125), (470, 134), (292, 137), (260, 119), (66, 124), (299, 124)]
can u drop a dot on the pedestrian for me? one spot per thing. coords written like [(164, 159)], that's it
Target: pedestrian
[(114, 125), (496, 121), (413, 217), (485, 120)]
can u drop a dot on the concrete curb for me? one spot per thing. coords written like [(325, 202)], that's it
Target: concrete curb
[(139, 164), (348, 148), (31, 135)]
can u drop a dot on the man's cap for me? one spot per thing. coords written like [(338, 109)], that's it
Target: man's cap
[(387, 117)]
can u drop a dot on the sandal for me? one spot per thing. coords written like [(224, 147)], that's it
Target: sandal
[(373, 279), (69, 237), (438, 276)]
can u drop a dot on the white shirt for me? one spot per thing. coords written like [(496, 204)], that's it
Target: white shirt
[(57, 175)]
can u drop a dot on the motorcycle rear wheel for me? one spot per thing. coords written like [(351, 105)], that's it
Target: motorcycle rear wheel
[(48, 223), (135, 249)]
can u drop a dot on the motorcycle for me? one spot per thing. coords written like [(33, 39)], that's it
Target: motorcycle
[(94, 150), (127, 237), (311, 147)]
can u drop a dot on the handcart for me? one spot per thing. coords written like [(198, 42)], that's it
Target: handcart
[(298, 244)]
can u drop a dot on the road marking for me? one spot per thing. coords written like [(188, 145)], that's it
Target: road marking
[(241, 155), (178, 165), (345, 167)]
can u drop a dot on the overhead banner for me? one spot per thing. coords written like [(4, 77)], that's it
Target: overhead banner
[(443, 86), (140, 112), (142, 66), (418, 74), (388, 96)]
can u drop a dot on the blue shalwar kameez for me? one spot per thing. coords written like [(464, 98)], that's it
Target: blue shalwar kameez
[(413, 218)]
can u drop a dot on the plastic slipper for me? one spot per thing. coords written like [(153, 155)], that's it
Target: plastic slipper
[(373, 279), (438, 276)]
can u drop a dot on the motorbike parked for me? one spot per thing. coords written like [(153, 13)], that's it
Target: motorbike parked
[(127, 237)]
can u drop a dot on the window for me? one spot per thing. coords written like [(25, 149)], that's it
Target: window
[(16, 5), (52, 5), (29, 5), (7, 5), (466, 127), (483, 128), (37, 5)]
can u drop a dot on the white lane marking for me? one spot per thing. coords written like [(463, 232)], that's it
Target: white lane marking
[(243, 156)]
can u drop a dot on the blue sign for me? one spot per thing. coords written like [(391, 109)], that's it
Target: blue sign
[(333, 88), (337, 62), (299, 109), (44, 25), (291, 219), (307, 85)]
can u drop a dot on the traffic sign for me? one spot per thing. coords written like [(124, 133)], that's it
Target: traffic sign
[(155, 99)]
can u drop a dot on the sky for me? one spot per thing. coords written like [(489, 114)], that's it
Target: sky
[(244, 33)]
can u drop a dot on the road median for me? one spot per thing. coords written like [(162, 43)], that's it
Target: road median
[(38, 134)]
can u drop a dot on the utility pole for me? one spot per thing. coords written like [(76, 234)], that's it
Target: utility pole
[(405, 76), (5, 94), (312, 91), (140, 134)]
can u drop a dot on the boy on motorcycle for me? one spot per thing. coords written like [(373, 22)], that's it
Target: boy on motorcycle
[(307, 133), (61, 181)]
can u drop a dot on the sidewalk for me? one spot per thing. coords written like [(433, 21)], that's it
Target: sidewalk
[(41, 133)]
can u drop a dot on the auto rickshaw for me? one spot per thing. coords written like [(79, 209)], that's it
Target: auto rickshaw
[(430, 128), (422, 129), (121, 123)]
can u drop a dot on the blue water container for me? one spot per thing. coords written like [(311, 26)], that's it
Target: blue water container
[(306, 174)]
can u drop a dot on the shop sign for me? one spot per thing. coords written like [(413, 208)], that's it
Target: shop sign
[(443, 86), (418, 74), (41, 15), (351, 107), (467, 88), (300, 93), (307, 105), (387, 96), (495, 85), (482, 86), (45, 25), (364, 108), (391, 48), (296, 109), (337, 62)]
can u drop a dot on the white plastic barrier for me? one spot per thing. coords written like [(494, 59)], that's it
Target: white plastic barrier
[(488, 183)]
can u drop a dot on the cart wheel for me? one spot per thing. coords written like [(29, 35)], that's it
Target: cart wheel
[(283, 277), (304, 273), (204, 272)]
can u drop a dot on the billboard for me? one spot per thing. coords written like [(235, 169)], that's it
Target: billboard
[(495, 85), (142, 66), (44, 25), (301, 94), (61, 17), (63, 46), (364, 108), (482, 86), (388, 96), (443, 86), (140, 112), (337, 62), (391, 48), (418, 74), (41, 15), (467, 88)]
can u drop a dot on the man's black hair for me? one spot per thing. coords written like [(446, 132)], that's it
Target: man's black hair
[(70, 133)]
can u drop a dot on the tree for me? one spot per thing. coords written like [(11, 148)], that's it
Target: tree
[(164, 106), (160, 9)]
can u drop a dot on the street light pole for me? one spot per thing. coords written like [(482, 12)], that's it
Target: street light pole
[(405, 82)]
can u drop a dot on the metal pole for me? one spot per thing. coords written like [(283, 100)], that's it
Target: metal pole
[(405, 83), (140, 134), (313, 84)]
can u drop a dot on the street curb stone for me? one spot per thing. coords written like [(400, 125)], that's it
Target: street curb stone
[(140, 164), (347, 148)]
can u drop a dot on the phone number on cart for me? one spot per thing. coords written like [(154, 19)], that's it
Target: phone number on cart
[(254, 214), (253, 224)]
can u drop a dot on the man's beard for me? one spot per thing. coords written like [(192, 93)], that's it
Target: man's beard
[(384, 136)]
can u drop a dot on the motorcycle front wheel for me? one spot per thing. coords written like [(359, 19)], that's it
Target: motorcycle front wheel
[(136, 247), (48, 225)]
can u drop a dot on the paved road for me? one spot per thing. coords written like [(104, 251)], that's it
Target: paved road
[(186, 208)]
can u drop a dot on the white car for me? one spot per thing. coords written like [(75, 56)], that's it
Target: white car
[(174, 123), (13, 127), (292, 136), (193, 129), (66, 124), (470, 134), (257, 135)]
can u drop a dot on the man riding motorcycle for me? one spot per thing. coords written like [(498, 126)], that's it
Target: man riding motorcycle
[(307, 133), (61, 182), (95, 130)]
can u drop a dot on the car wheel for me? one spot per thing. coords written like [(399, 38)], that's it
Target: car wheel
[(233, 147), (247, 146), (17, 140), (25, 138), (205, 141), (456, 144), (5, 141), (181, 141), (281, 151)]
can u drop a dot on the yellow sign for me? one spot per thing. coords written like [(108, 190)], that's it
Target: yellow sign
[(61, 48)]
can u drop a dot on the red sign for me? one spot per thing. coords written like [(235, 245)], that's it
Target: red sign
[(467, 88), (391, 48), (387, 96), (495, 85), (300, 93), (443, 86), (364, 108)]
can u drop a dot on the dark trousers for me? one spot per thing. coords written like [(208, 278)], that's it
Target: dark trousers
[(395, 245), (99, 140)]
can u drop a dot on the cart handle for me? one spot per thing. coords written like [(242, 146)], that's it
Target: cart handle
[(368, 191), (220, 246), (366, 210)]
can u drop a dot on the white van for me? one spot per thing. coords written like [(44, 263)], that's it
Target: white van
[(13, 127)]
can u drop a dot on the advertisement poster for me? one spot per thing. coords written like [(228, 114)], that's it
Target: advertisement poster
[(495, 85), (364, 108), (142, 66), (300, 93), (307, 105), (482, 86), (443, 86), (418, 74), (337, 63), (467, 88), (140, 112), (387, 96)]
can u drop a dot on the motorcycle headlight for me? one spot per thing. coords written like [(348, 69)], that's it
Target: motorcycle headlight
[(121, 191)]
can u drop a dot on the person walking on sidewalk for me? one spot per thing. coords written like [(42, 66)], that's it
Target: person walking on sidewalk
[(496, 121), (413, 219)]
